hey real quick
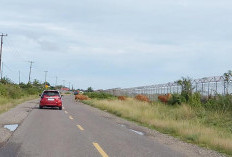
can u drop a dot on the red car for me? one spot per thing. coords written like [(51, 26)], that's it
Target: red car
[(51, 98)]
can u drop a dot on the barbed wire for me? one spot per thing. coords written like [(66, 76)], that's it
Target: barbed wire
[(206, 86)]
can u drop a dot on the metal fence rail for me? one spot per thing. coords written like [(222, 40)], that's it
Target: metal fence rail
[(206, 86)]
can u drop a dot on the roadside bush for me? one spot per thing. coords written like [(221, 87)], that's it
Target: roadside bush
[(6, 80), (141, 97), (3, 90), (14, 91), (220, 103), (186, 87), (195, 99), (99, 95), (32, 91), (175, 99), (204, 99)]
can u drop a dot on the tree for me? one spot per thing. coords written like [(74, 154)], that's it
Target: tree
[(227, 78), (36, 83), (47, 83), (186, 87), (89, 89), (6, 80)]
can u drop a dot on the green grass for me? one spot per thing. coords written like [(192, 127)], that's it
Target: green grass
[(99, 95), (206, 128), (12, 94), (7, 103)]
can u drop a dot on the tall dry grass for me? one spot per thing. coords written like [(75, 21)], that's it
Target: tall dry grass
[(192, 125), (8, 103)]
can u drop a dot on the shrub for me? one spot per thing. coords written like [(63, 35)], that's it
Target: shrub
[(14, 92), (195, 99), (99, 95), (32, 91), (89, 89), (204, 99), (3, 90), (141, 97), (175, 99), (220, 103), (186, 87), (6, 80)]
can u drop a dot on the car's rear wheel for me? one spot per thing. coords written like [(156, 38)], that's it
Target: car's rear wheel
[(60, 108)]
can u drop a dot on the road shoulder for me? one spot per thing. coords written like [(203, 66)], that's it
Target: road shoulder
[(14, 116)]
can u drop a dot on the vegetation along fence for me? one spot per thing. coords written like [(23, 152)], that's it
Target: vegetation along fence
[(207, 86)]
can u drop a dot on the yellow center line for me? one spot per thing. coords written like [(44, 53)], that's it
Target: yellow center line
[(100, 150), (66, 112), (70, 117), (80, 127)]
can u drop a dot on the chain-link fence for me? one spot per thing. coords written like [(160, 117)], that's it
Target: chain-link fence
[(206, 86)]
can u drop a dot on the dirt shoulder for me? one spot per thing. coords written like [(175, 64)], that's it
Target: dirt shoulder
[(14, 116)]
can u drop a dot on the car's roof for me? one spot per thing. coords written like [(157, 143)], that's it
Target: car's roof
[(50, 91)]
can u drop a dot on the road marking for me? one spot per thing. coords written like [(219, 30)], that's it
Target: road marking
[(66, 112), (100, 150), (70, 117), (80, 127)]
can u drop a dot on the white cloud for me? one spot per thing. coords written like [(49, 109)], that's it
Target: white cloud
[(139, 41)]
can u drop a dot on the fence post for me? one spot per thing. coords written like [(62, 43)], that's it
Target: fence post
[(208, 88), (196, 86), (202, 84)]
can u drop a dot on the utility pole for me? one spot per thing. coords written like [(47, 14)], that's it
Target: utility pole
[(30, 71), (19, 76), (69, 85), (2, 71), (63, 83), (45, 77), (56, 81), (2, 35)]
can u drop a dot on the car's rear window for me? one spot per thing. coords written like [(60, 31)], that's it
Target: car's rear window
[(51, 93)]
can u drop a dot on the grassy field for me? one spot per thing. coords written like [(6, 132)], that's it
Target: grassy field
[(8, 103), (211, 129)]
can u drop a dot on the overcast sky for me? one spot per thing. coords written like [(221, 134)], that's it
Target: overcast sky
[(116, 43)]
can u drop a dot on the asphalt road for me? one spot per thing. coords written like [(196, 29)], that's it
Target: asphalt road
[(79, 131)]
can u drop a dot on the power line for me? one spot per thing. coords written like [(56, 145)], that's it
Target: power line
[(63, 83), (19, 76), (45, 77), (56, 80), (2, 71), (15, 49)]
